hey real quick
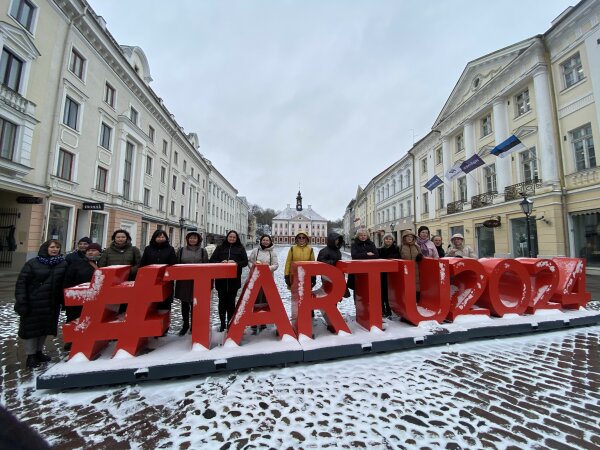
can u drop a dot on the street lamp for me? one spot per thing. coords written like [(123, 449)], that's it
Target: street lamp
[(392, 225), (527, 207), (181, 225)]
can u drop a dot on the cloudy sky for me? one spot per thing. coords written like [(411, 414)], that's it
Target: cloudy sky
[(321, 94)]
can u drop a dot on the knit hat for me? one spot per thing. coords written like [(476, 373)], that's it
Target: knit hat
[(94, 246), (85, 239)]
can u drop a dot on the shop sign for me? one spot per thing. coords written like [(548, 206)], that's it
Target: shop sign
[(93, 206), (492, 223), (29, 200)]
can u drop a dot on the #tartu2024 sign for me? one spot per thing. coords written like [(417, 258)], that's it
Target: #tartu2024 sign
[(449, 287)]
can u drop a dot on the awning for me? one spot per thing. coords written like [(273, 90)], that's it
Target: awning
[(588, 211)]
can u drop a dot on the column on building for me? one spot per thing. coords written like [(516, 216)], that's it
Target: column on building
[(470, 147), (430, 174), (547, 153), (501, 133), (118, 164), (447, 155)]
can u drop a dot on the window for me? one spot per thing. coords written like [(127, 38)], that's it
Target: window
[(439, 158), (185, 166), (161, 203), (109, 95), (127, 171), (105, 135), (8, 136), (176, 157), (146, 197), (181, 211), (71, 113), (460, 143), (23, 11), (462, 189), (172, 207), (174, 183), (11, 68), (486, 125), (572, 70), (151, 133), (490, 178), (165, 147), (65, 165), (424, 165), (133, 115), (425, 202), (77, 64), (163, 174), (101, 177), (144, 235), (529, 164), (182, 188), (149, 165), (583, 146), (440, 192), (522, 103)]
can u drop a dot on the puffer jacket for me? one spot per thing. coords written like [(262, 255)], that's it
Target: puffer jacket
[(39, 294), (235, 252), (158, 254), (330, 254), (127, 255)]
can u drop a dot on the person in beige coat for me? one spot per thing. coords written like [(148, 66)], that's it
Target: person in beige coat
[(410, 251), (458, 249)]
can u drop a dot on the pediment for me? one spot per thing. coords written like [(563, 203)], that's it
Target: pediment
[(19, 41), (478, 74)]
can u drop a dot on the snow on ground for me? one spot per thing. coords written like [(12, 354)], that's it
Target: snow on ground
[(534, 391)]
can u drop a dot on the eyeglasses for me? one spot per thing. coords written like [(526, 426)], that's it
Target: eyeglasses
[(301, 237)]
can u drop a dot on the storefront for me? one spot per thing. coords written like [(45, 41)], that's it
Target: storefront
[(586, 236)]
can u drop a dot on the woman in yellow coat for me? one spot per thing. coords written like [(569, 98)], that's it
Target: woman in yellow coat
[(301, 251)]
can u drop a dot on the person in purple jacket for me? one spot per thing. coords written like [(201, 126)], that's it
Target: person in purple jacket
[(425, 244)]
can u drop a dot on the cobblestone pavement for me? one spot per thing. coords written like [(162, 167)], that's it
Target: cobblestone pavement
[(537, 391)]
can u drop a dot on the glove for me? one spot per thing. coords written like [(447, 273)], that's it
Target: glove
[(419, 257), (313, 281), (288, 281)]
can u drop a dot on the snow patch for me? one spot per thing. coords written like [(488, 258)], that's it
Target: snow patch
[(229, 343), (197, 347), (78, 357), (122, 354)]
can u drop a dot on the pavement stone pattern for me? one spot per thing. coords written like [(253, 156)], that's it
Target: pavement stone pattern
[(537, 391)]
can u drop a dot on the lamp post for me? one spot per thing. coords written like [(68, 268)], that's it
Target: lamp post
[(181, 225), (527, 207), (392, 225)]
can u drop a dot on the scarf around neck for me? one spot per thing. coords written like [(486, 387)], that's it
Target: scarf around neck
[(423, 245)]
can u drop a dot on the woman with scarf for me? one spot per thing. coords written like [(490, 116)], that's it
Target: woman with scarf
[(38, 296), (230, 251), (159, 251), (389, 251), (192, 253), (263, 254), (427, 247)]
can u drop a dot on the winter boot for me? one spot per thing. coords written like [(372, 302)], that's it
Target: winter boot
[(184, 329), (32, 362), (42, 358)]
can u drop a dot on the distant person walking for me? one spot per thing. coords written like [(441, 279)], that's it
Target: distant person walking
[(38, 298), (191, 253), (230, 251)]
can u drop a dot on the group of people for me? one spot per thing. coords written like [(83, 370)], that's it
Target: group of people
[(39, 288)]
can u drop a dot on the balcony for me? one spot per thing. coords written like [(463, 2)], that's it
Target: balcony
[(454, 207), (16, 101), (513, 192), (481, 200)]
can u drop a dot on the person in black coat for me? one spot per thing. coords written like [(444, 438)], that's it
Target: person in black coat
[(331, 254), (159, 251), (362, 248), (230, 251), (439, 245), (38, 296), (389, 251), (79, 254), (80, 272)]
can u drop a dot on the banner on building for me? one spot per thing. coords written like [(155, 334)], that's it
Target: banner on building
[(433, 183), (454, 171), (471, 164)]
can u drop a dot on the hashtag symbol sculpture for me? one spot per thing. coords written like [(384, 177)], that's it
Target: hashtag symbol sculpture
[(100, 322)]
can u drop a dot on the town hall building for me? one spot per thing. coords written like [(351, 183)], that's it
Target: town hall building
[(290, 221)]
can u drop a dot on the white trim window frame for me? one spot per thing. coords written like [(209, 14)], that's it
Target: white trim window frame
[(583, 147), (77, 64), (71, 113), (529, 165), (490, 178), (101, 179), (106, 134), (25, 13), (572, 70), (65, 166), (522, 103), (110, 95), (12, 68), (486, 125)]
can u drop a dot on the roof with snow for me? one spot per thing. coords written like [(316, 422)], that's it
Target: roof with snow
[(306, 214)]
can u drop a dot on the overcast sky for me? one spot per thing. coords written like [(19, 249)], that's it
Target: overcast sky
[(318, 93)]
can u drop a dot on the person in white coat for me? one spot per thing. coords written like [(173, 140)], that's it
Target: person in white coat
[(263, 254), (458, 249)]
